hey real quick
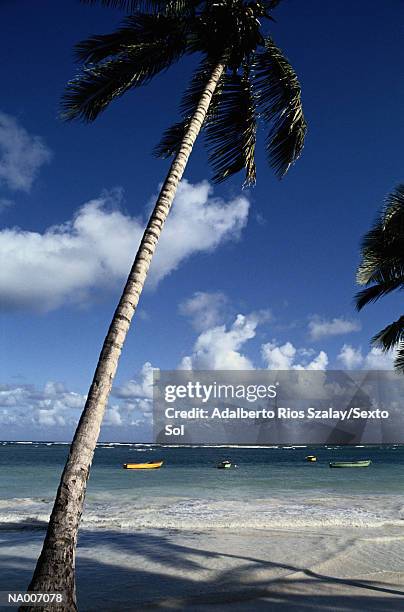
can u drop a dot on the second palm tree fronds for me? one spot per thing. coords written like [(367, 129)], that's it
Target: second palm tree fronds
[(382, 269), (242, 80)]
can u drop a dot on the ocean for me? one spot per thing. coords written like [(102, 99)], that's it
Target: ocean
[(270, 488)]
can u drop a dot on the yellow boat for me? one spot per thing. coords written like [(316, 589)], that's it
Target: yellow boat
[(150, 465), (311, 458)]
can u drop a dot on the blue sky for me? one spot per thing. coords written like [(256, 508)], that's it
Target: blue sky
[(281, 256)]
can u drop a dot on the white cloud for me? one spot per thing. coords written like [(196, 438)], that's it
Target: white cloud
[(56, 410), (67, 263), (218, 348), (350, 357), (278, 357), (198, 222), (52, 406), (283, 357), (21, 155), (136, 397), (318, 363), (353, 358), (49, 417), (322, 328), (137, 389), (204, 309), (113, 416), (376, 359)]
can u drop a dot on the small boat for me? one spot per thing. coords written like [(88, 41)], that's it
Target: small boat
[(150, 465), (350, 464), (311, 458), (223, 465)]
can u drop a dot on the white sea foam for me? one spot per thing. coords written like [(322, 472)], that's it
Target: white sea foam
[(279, 512)]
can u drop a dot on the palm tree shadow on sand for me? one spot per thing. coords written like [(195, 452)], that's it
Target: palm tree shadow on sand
[(254, 583)]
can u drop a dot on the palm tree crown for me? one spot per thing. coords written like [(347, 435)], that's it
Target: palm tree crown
[(382, 269), (258, 84)]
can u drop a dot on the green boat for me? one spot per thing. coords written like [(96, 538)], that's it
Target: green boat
[(224, 465), (350, 464)]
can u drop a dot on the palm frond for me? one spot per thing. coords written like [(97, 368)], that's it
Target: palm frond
[(379, 266), (131, 6), (100, 47), (97, 85), (390, 336), (382, 248), (278, 94), (394, 205), (382, 268), (231, 136), (382, 258), (381, 271), (171, 140), (200, 78), (399, 359), (271, 4), (138, 29), (90, 93), (172, 137), (373, 293)]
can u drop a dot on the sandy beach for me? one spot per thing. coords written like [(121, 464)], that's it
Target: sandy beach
[(275, 534), (310, 569)]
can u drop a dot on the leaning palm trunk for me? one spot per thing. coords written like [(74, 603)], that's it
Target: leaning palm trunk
[(55, 569)]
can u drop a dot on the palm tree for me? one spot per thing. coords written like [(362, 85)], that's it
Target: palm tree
[(382, 269), (242, 80)]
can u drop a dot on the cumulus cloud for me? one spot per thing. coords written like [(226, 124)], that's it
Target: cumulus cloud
[(318, 363), (21, 155), (54, 405), (218, 348), (67, 263), (283, 357), (352, 358), (198, 222), (55, 410), (204, 309), (322, 328), (222, 348), (113, 416), (278, 357), (135, 397), (137, 389), (376, 359)]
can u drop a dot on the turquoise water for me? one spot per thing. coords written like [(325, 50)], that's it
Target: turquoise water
[(269, 485), (29, 470)]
